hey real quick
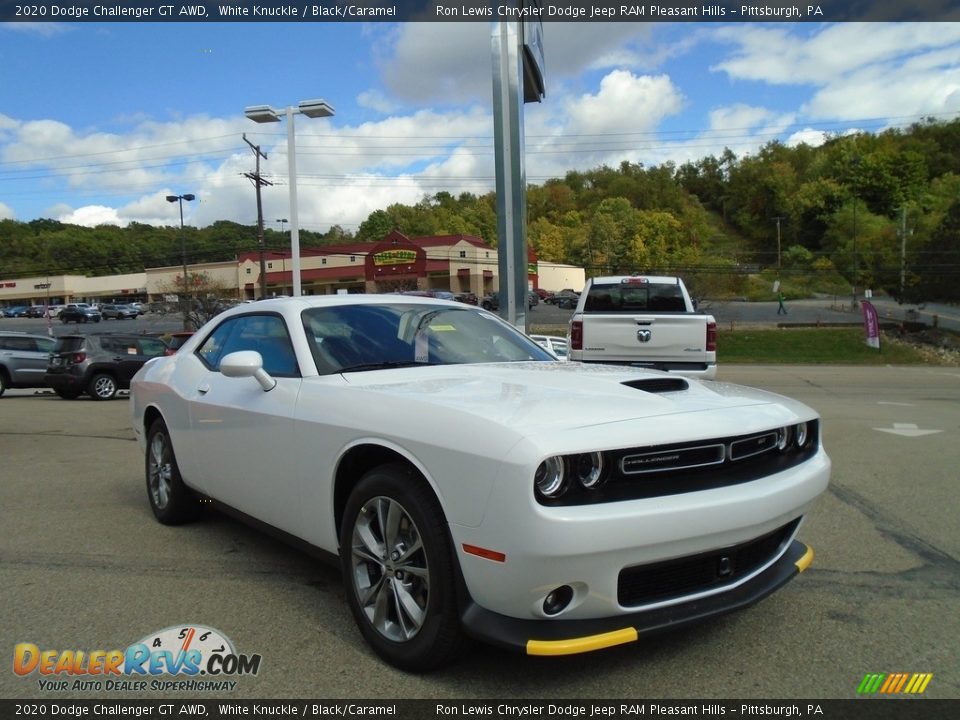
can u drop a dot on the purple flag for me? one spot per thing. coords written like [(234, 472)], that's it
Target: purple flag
[(871, 324)]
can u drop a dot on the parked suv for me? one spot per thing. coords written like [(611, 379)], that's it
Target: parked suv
[(79, 313), (118, 312), (23, 360), (99, 364)]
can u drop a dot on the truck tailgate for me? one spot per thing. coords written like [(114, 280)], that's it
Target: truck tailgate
[(645, 339)]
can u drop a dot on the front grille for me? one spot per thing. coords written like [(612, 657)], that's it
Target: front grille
[(677, 468), (678, 459), (713, 570)]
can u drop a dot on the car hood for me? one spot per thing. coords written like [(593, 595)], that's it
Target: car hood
[(562, 395)]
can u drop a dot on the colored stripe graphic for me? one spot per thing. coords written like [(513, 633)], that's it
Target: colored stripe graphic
[(894, 683)]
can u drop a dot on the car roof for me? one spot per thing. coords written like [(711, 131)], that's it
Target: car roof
[(312, 301), (661, 279), (19, 333)]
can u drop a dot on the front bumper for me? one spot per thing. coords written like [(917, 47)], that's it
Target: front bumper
[(569, 637)]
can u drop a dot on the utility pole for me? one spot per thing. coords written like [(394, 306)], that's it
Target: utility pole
[(778, 218), (259, 182), (903, 250)]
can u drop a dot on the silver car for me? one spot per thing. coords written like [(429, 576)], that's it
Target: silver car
[(23, 360)]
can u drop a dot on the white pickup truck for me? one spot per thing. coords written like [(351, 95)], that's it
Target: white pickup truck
[(643, 321)]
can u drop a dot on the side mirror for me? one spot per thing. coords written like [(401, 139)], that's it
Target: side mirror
[(247, 363)]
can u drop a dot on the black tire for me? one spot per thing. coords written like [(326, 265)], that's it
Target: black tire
[(424, 576), (67, 394), (102, 386), (172, 502), (3, 382)]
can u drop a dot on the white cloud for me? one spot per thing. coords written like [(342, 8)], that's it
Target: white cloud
[(807, 136), (6, 212), (453, 62), (876, 70), (43, 29), (624, 102), (377, 101), (91, 216)]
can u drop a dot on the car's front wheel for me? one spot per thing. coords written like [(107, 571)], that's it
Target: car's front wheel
[(102, 387), (399, 570), (171, 501)]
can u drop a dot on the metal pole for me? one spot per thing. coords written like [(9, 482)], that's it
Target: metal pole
[(184, 302), (294, 219), (510, 172), (903, 250)]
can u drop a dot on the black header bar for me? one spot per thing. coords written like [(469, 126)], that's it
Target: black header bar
[(69, 11)]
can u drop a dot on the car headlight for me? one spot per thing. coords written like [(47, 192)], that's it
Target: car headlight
[(588, 468), (784, 435), (550, 476), (802, 435)]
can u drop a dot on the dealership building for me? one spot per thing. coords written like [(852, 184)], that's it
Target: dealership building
[(458, 263)]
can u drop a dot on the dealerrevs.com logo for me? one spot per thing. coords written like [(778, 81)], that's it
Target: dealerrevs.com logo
[(894, 683), (181, 657)]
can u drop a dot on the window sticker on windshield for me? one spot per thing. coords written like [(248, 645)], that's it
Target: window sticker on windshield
[(443, 328), (421, 348)]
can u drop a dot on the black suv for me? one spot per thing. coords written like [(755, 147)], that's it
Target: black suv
[(99, 364), (79, 313)]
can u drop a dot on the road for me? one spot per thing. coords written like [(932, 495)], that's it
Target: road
[(83, 565)]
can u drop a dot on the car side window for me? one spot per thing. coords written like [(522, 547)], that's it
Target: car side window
[(151, 347), (265, 334), (19, 343)]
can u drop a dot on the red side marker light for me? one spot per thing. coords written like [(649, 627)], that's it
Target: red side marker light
[(484, 553)]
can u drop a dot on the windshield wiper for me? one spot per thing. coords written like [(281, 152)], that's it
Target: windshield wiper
[(360, 367)]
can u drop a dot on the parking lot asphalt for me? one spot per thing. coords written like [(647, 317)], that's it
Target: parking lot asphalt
[(83, 565)]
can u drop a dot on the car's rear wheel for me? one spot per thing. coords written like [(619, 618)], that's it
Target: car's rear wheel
[(67, 394), (102, 387), (399, 570), (171, 501), (3, 382)]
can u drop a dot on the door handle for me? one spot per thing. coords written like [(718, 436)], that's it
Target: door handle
[(203, 389)]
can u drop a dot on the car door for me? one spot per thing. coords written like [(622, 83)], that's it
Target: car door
[(242, 435), (26, 358)]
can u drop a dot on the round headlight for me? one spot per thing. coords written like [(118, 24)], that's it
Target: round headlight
[(589, 469), (803, 434), (783, 438), (549, 477)]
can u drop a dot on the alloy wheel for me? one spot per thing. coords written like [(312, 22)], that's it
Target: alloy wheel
[(390, 572), (159, 470)]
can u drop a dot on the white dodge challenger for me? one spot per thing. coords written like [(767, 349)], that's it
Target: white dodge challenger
[(469, 484)]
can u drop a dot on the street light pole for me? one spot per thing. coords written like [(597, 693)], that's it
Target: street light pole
[(184, 306), (264, 114)]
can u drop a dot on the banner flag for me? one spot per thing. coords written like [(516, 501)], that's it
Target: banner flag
[(871, 324)]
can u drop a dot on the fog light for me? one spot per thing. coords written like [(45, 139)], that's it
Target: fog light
[(549, 477), (557, 600)]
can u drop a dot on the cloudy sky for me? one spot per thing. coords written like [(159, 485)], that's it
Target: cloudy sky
[(98, 122)]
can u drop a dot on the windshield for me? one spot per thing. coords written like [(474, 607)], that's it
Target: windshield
[(635, 297), (349, 338)]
